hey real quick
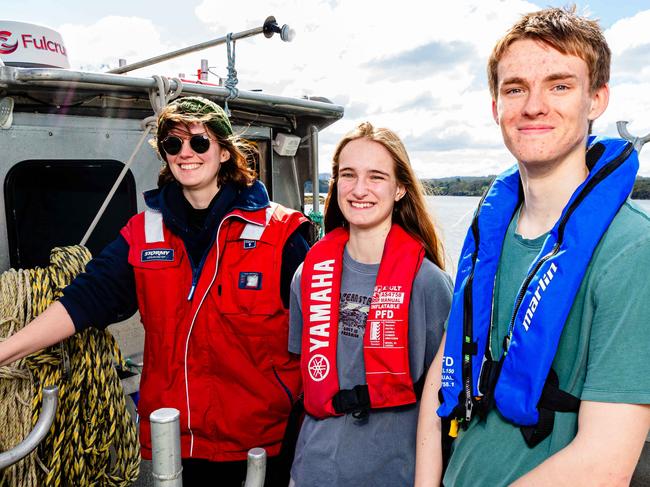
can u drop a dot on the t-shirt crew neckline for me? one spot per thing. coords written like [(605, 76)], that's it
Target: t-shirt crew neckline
[(531, 243), (360, 267)]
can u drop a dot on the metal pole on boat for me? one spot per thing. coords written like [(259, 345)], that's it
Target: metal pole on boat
[(42, 427), (269, 28), (637, 142), (256, 468), (313, 158), (166, 448), (204, 70), (64, 78)]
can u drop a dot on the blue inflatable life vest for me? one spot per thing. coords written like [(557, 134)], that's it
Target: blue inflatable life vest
[(545, 296)]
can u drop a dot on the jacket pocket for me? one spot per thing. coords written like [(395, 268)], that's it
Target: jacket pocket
[(162, 282), (247, 287)]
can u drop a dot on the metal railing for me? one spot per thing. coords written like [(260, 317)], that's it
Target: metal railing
[(45, 419), (67, 78), (166, 452), (269, 28)]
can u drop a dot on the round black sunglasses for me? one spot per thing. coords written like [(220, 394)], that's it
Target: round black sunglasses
[(173, 144)]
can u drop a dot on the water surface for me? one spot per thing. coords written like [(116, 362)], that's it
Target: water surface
[(453, 216)]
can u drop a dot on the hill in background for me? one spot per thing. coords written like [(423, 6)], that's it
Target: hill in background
[(476, 186)]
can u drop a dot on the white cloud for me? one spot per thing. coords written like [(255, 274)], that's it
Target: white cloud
[(629, 40), (421, 75), (629, 33), (101, 44)]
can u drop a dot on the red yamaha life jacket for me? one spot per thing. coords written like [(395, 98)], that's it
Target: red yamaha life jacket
[(221, 357), (385, 343)]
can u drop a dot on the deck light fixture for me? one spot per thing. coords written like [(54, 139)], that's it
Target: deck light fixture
[(270, 27), (286, 144)]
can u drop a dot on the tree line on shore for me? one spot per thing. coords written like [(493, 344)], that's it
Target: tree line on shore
[(476, 186)]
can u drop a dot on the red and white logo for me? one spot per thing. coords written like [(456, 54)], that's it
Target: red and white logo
[(319, 367), (29, 45), (6, 48)]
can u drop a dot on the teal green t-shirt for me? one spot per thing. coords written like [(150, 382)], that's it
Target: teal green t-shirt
[(602, 355)]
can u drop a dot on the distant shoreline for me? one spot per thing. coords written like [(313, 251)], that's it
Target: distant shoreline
[(477, 185)]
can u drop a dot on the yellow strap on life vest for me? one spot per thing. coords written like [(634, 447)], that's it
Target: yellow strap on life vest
[(453, 428)]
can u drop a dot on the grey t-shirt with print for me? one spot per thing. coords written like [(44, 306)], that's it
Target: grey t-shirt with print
[(380, 449)]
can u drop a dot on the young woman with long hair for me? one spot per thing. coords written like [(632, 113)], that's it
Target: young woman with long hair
[(367, 314)]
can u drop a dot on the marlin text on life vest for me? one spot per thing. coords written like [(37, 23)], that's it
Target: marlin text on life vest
[(537, 297)]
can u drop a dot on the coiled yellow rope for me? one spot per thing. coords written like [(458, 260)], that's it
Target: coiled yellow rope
[(93, 440), (16, 391)]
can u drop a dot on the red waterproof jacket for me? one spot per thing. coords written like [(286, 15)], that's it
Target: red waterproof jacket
[(221, 357)]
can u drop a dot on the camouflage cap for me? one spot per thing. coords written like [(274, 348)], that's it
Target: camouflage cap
[(208, 111)]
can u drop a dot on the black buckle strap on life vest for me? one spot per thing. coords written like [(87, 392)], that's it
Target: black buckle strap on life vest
[(487, 383), (552, 399), (593, 155), (355, 401), (470, 348)]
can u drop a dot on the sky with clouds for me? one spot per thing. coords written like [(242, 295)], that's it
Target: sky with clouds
[(414, 66)]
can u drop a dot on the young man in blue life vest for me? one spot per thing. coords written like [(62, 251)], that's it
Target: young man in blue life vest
[(545, 371)]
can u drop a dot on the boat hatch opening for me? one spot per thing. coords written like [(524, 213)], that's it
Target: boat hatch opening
[(51, 203)]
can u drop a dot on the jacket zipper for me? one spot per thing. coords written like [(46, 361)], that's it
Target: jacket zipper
[(468, 324), (198, 308), (196, 272), (195, 278)]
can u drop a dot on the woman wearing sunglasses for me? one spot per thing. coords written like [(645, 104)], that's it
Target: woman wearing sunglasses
[(208, 265), (367, 313)]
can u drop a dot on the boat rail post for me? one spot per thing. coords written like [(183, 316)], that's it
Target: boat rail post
[(315, 215), (166, 448), (41, 428), (313, 158), (256, 468), (203, 76)]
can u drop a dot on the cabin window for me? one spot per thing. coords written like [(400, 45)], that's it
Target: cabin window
[(51, 203)]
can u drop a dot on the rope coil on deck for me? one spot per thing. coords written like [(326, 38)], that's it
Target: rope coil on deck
[(93, 440), (16, 388)]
